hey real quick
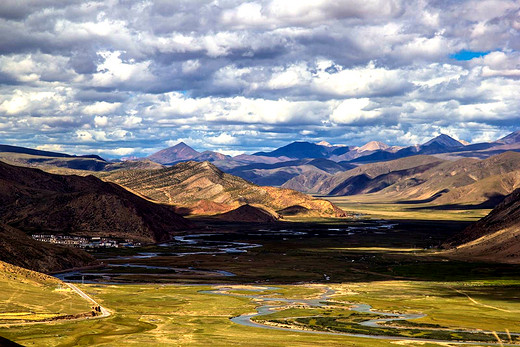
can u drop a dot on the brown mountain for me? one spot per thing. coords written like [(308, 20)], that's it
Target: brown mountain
[(333, 183), (31, 199), (211, 156), (279, 173), (19, 249), (179, 152), (510, 139), (201, 188), (249, 214), (141, 164), (495, 237), (424, 178)]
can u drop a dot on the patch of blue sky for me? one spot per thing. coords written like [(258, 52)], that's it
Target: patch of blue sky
[(468, 55)]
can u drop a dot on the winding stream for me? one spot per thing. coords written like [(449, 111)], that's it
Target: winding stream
[(266, 307)]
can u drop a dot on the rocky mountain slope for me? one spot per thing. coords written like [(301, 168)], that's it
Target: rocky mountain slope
[(327, 184), (495, 237), (278, 173), (31, 199), (424, 178), (201, 188), (180, 151)]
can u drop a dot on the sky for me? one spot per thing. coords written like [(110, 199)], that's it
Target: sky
[(125, 78)]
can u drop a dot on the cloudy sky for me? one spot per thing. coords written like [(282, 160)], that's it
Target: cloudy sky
[(123, 77)]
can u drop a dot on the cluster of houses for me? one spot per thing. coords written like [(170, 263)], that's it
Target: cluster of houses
[(84, 242)]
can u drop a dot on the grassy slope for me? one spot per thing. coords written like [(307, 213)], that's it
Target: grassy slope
[(29, 295)]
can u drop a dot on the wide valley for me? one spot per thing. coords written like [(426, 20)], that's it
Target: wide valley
[(363, 281)]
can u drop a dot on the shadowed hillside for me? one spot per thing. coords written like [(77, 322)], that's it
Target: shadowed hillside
[(495, 237), (31, 199), (201, 188), (248, 214), (424, 179), (279, 173), (325, 185), (18, 249)]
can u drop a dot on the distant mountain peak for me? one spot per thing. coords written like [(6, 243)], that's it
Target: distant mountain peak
[(373, 146), (324, 143), (511, 138), (180, 151), (445, 141), (181, 144)]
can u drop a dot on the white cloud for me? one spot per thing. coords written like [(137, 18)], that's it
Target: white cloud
[(222, 139), (355, 111), (190, 66), (100, 121), (28, 101), (101, 108), (114, 71), (50, 147)]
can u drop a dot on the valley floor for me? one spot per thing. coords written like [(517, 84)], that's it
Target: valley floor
[(155, 315), (325, 277)]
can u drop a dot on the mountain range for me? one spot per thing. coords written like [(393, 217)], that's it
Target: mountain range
[(250, 166), (143, 199), (423, 178), (201, 188)]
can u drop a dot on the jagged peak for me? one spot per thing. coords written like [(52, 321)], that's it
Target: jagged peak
[(444, 140)]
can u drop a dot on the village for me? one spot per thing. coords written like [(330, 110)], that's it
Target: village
[(85, 242)]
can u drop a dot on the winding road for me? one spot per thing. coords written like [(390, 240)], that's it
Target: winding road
[(104, 311)]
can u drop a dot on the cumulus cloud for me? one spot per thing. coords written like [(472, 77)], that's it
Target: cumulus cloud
[(106, 77), (101, 108), (355, 112)]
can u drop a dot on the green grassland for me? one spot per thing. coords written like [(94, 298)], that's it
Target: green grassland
[(27, 296), (169, 315), (372, 206), (165, 315), (489, 305)]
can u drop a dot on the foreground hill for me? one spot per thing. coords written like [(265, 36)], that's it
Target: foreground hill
[(29, 296), (495, 237), (31, 199), (201, 188), (18, 249)]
